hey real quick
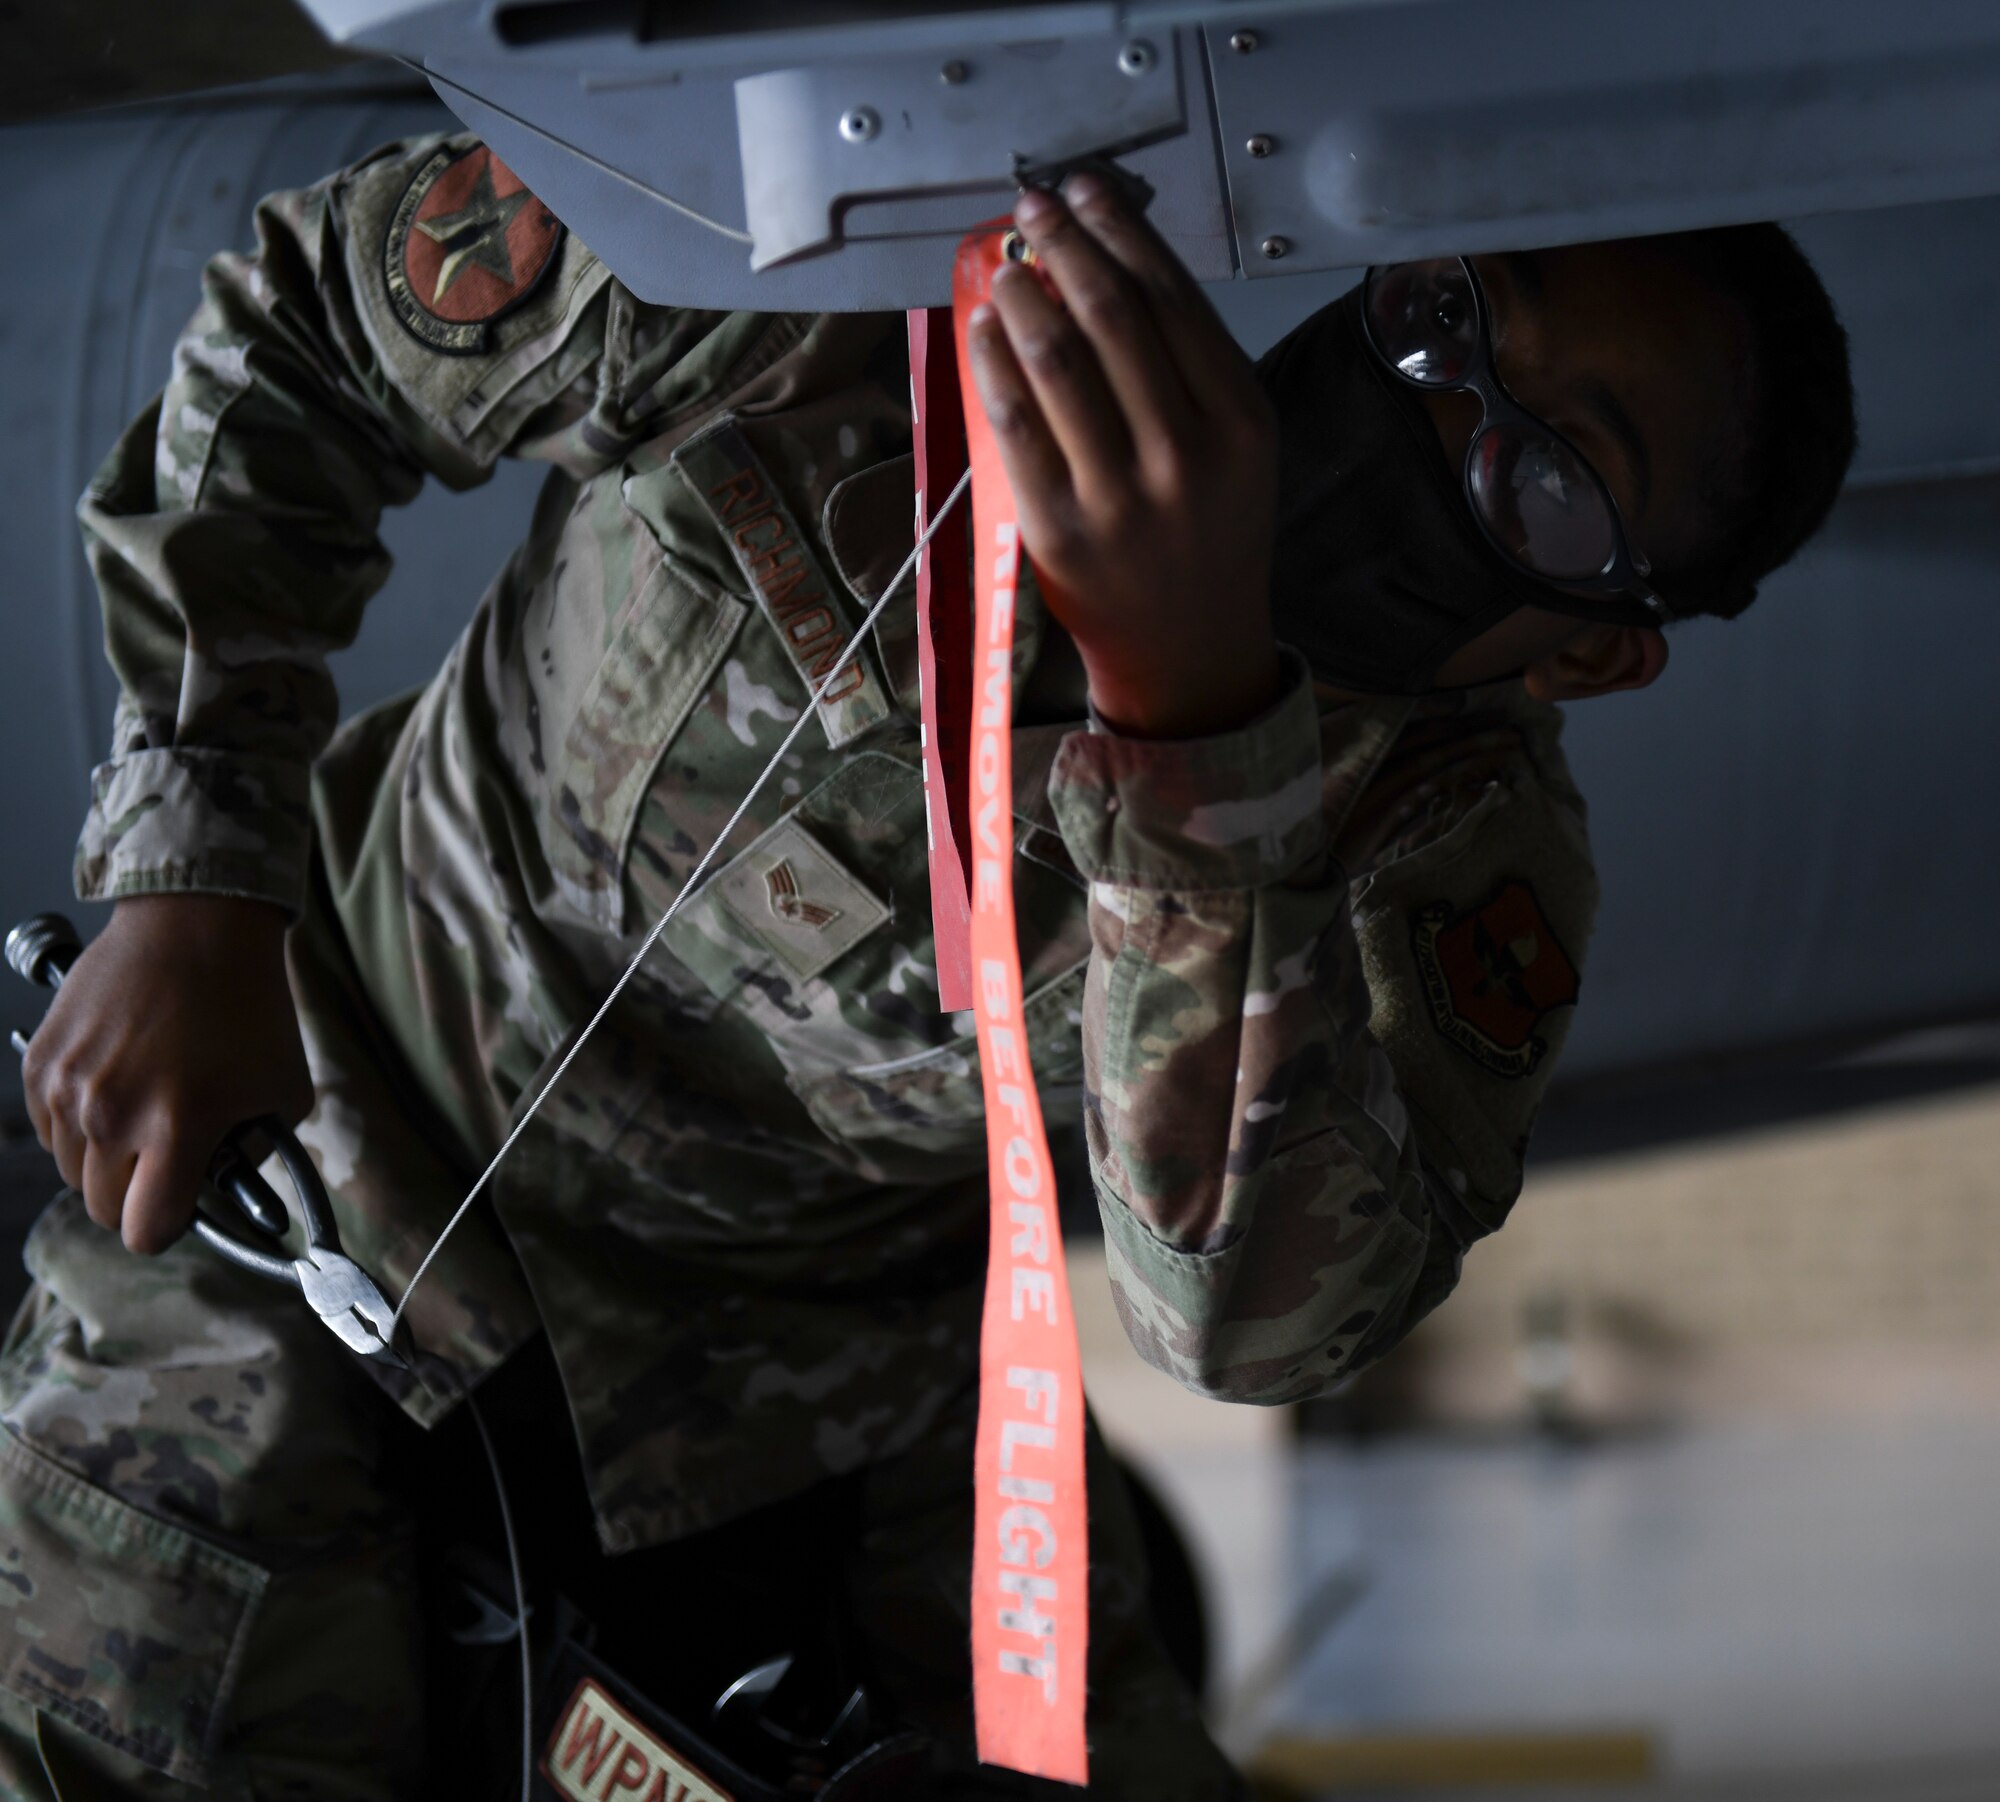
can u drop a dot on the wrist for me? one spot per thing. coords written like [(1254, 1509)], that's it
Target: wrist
[(1190, 696), (224, 917)]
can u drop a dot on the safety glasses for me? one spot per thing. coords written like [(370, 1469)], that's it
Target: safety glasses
[(1533, 493)]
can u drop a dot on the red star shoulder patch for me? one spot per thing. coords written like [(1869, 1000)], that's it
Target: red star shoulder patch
[(466, 244), (1492, 975)]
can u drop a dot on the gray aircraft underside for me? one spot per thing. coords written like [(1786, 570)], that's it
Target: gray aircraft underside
[(828, 153), (1795, 831)]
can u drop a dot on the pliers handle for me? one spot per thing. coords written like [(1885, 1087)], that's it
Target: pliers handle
[(337, 1289)]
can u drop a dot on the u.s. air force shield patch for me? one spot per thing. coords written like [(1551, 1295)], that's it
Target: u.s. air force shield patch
[(1492, 975), (466, 244)]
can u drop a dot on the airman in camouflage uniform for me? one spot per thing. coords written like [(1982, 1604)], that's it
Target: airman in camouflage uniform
[(1300, 984)]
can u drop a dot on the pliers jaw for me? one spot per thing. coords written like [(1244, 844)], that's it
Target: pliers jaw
[(343, 1295), (336, 1288)]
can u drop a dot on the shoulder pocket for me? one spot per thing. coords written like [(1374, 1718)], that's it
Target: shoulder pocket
[(469, 286), (123, 1624)]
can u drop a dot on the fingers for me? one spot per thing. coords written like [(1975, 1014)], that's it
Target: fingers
[(1037, 470), (146, 1193), (160, 1197), (1208, 360), (67, 1145), (1064, 369), (105, 1174), (1106, 314), (39, 1116)]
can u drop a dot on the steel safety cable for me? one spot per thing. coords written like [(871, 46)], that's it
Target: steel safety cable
[(514, 1573), (688, 889)]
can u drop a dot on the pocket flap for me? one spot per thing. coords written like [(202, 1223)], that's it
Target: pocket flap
[(665, 649), (123, 1624)]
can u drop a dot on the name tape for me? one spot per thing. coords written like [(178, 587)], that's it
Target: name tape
[(778, 562)]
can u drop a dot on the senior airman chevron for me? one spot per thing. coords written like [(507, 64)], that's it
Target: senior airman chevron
[(1030, 1544)]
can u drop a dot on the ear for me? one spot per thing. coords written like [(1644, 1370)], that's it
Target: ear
[(1599, 660)]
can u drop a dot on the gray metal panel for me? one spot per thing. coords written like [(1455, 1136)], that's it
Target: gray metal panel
[(663, 182), (1382, 130), (1445, 126), (1796, 828), (895, 127)]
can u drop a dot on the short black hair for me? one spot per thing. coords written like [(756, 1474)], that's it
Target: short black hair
[(1773, 486)]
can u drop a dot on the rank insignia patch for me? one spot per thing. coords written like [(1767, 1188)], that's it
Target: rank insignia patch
[(466, 244), (1492, 975), (796, 899)]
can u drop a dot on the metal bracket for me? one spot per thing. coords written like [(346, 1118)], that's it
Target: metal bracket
[(849, 152)]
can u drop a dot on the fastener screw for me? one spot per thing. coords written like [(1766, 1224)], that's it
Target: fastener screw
[(1275, 247), (860, 123), (953, 73), (1243, 42), (1260, 145), (1137, 57)]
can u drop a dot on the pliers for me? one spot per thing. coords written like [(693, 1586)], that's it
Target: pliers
[(336, 1288)]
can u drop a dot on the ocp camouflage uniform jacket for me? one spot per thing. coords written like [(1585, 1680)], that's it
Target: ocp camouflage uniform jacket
[(1300, 983)]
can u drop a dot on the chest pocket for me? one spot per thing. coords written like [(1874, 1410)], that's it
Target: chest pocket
[(818, 937), (666, 644), (904, 1111)]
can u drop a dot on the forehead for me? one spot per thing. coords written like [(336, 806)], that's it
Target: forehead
[(1620, 341)]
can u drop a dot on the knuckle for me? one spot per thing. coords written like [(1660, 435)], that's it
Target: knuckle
[(1067, 534), (1050, 353), (102, 1111), (62, 1086), (1102, 306), (1057, 230), (1125, 514), (1009, 416)]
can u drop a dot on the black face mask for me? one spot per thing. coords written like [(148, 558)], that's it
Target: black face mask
[(1380, 573)]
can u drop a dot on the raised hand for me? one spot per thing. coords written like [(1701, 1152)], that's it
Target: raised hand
[(1143, 458)]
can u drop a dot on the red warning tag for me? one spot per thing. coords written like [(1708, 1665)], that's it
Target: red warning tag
[(944, 644), (1031, 1552)]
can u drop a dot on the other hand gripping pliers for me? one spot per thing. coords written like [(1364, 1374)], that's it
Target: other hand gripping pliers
[(336, 1288)]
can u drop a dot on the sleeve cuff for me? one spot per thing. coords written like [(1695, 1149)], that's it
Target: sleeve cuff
[(1238, 810), (180, 820)]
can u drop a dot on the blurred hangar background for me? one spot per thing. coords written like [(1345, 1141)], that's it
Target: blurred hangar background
[(1687, 1493)]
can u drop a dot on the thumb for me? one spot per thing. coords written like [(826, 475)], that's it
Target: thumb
[(159, 1202)]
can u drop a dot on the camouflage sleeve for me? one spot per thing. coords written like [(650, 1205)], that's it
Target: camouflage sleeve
[(232, 531), (1284, 1190)]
